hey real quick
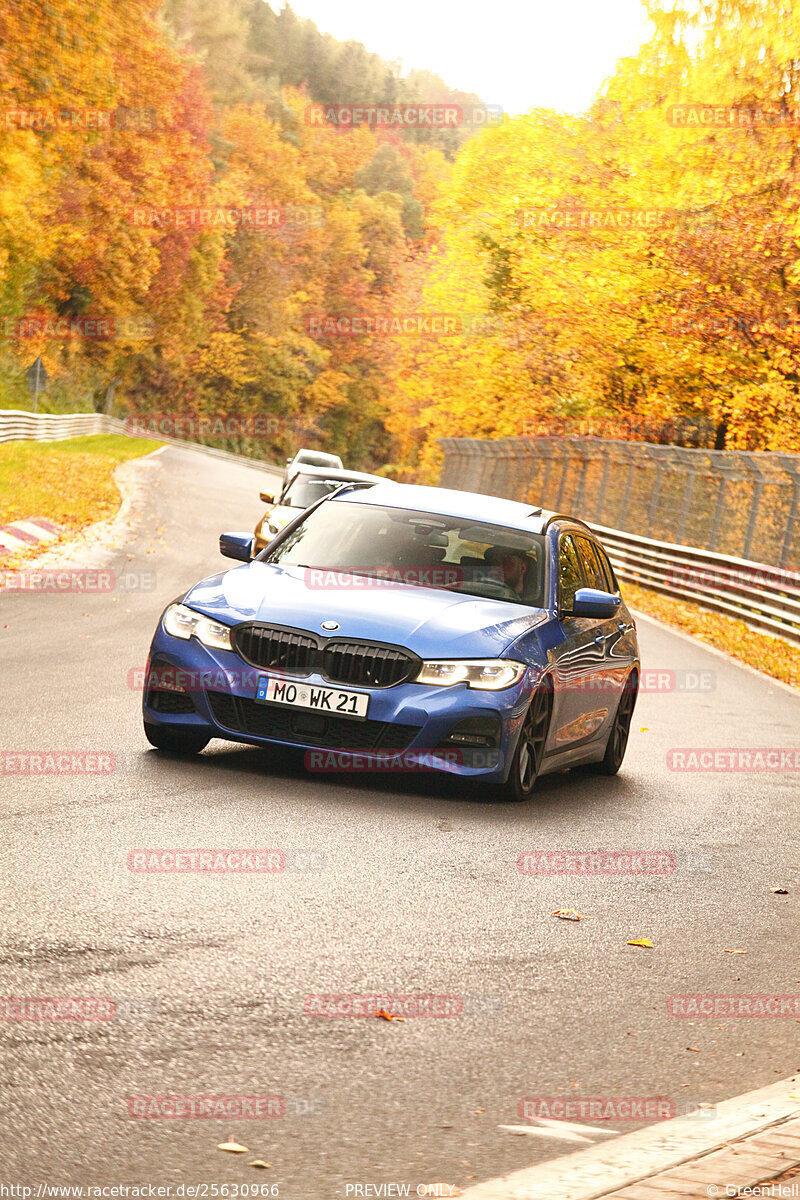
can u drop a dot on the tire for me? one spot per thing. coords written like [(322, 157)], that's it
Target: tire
[(174, 740), (618, 737), (527, 760)]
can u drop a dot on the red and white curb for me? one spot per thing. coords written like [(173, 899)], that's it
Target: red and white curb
[(607, 1167), (25, 535)]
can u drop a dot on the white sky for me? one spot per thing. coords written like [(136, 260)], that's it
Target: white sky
[(518, 54)]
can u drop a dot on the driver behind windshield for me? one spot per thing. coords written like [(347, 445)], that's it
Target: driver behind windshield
[(513, 565)]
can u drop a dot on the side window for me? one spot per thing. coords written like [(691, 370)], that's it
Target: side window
[(590, 565), (608, 571), (570, 577)]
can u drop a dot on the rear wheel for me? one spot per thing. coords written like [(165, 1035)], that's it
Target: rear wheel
[(528, 756), (177, 741), (618, 737)]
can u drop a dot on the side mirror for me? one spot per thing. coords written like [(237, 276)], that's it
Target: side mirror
[(591, 602), (267, 497), (236, 545)]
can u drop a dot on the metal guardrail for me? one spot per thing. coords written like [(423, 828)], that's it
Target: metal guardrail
[(740, 502), (764, 597), (596, 477), (18, 425)]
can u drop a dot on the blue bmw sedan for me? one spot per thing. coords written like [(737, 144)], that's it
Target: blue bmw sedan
[(412, 627)]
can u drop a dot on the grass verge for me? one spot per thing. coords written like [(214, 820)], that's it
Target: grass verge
[(69, 482), (771, 655)]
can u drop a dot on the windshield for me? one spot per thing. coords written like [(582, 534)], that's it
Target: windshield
[(307, 489), (419, 549)]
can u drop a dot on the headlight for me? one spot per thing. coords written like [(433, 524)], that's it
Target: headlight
[(182, 622), (487, 674)]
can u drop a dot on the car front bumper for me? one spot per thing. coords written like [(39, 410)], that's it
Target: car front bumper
[(222, 689)]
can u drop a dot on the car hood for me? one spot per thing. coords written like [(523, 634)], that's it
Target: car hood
[(429, 621)]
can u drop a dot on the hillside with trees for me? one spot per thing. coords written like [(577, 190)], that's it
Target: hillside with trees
[(187, 226)]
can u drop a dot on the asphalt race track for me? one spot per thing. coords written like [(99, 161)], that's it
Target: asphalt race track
[(416, 889)]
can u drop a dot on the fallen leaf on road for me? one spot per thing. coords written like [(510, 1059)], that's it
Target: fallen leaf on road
[(734, 952), (641, 942), (567, 914), (257, 1162), (387, 1016), (779, 891), (232, 1147)]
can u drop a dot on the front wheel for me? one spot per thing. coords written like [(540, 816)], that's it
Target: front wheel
[(618, 737), (175, 740), (527, 761)]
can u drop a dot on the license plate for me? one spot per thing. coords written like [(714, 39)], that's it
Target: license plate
[(324, 700)]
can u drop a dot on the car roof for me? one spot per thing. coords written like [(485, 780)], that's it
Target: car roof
[(318, 454), (340, 473), (472, 506)]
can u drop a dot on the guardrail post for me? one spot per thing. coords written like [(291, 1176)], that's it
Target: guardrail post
[(755, 501), (718, 507), (533, 472), (626, 494), (726, 470), (656, 492), (598, 514), (687, 504), (548, 460), (564, 472), (578, 498)]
